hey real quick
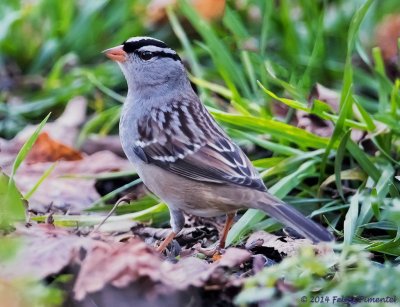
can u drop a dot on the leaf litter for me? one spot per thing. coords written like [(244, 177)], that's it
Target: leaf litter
[(119, 265), (101, 263), (46, 250), (58, 193)]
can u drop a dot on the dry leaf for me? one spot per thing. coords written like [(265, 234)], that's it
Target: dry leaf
[(208, 9), (46, 149), (105, 262), (313, 123), (285, 246), (196, 272), (62, 194), (124, 263), (67, 194), (57, 192), (44, 250), (387, 35), (331, 97), (317, 125), (95, 143), (54, 144), (64, 129), (117, 264), (9, 295)]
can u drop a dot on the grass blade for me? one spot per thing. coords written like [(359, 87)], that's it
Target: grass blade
[(40, 181), (350, 221), (339, 160), (26, 148)]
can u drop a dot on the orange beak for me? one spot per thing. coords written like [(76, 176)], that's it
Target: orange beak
[(116, 54)]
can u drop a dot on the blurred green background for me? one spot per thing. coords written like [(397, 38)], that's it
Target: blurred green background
[(51, 51)]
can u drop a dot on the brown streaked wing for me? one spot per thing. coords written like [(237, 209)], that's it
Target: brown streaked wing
[(184, 139)]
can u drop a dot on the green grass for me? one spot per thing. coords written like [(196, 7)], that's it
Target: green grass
[(317, 283), (11, 201), (12, 211), (241, 66)]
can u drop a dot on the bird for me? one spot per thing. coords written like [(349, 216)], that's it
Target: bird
[(181, 153)]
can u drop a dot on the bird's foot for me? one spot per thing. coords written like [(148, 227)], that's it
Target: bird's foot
[(166, 242)]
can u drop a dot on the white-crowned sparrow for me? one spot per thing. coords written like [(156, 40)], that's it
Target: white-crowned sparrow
[(180, 152)]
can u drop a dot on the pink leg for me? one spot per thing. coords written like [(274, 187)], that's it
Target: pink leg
[(166, 241)]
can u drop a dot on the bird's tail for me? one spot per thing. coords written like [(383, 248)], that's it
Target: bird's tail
[(294, 219)]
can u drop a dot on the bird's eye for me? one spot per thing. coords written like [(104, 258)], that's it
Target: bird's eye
[(146, 55)]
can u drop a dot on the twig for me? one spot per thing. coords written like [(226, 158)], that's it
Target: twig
[(122, 200)]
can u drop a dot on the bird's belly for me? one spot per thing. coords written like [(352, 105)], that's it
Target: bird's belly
[(190, 196)]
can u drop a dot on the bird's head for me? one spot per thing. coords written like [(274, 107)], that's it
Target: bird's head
[(147, 62)]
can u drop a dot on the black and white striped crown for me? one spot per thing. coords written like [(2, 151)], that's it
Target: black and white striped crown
[(144, 43)]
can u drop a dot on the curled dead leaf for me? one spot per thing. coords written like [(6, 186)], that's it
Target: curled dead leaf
[(107, 264), (65, 189), (117, 264), (192, 271), (208, 9), (387, 35), (318, 125), (57, 192), (313, 123), (46, 149), (95, 143), (125, 263), (65, 128), (44, 250), (331, 97), (285, 246)]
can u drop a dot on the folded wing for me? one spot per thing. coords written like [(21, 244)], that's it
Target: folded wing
[(184, 139)]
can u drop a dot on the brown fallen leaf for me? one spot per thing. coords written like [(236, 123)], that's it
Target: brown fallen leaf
[(61, 193), (64, 129), (117, 264), (285, 246), (11, 296), (95, 143), (46, 149), (124, 263), (317, 125), (55, 144), (43, 250), (387, 35), (331, 97), (208, 9), (313, 123), (193, 271), (106, 262)]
